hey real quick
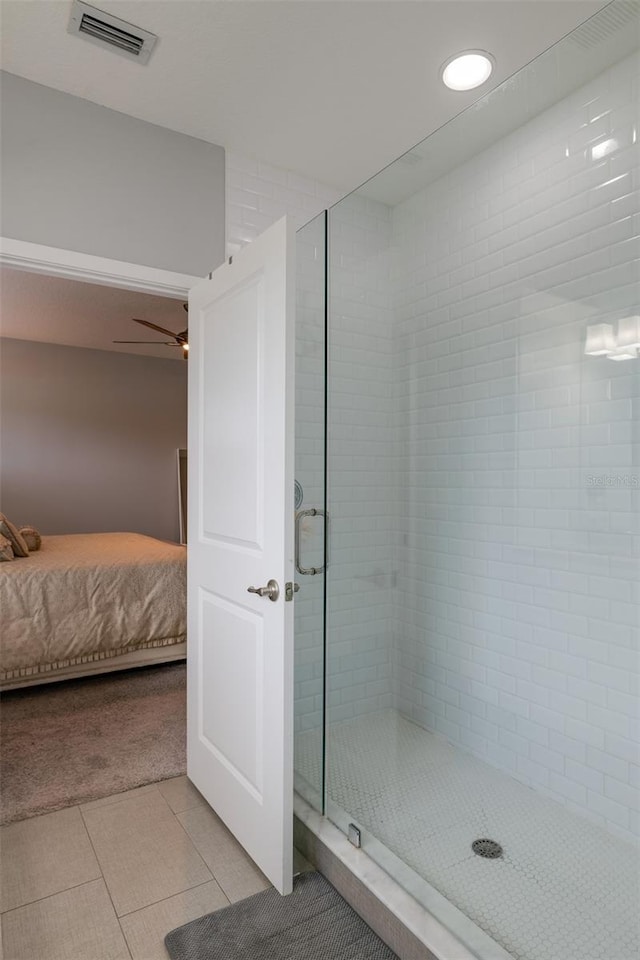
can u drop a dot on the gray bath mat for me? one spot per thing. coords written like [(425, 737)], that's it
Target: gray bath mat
[(312, 923)]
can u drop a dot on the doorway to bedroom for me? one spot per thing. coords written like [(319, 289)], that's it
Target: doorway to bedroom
[(94, 406), (91, 434)]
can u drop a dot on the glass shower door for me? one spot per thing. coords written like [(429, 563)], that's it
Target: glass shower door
[(483, 482)]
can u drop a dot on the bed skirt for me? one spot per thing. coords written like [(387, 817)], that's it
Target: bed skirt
[(153, 651)]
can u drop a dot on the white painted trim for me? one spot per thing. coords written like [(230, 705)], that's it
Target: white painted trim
[(54, 261)]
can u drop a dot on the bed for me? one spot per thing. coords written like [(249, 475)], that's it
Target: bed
[(90, 603)]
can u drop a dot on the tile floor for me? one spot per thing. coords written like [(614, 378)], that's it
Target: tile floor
[(107, 880), (565, 889)]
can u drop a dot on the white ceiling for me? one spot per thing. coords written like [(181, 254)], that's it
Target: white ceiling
[(607, 38), (331, 89), (77, 314)]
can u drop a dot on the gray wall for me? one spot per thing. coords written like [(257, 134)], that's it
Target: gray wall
[(82, 177), (88, 439)]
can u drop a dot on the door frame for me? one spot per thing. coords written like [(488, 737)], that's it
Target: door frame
[(73, 265)]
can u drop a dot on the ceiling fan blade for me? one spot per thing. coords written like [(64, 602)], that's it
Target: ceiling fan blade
[(154, 326), (151, 343)]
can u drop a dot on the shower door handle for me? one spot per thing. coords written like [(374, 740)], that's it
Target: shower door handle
[(300, 515)]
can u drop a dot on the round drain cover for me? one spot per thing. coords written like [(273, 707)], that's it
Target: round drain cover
[(487, 848)]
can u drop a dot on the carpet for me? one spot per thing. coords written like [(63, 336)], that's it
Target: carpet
[(77, 740), (312, 923)]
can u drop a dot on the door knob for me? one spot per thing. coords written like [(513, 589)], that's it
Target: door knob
[(272, 590)]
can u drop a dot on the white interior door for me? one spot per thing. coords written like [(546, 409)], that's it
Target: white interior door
[(240, 644)]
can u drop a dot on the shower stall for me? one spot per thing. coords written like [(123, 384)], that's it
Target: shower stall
[(468, 522)]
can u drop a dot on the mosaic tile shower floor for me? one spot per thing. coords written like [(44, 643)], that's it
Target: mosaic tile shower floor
[(565, 889)]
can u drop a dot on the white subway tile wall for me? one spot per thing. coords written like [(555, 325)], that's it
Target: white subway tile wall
[(484, 474), (517, 606), (362, 477), (258, 194)]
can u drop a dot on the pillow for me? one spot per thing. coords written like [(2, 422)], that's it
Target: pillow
[(6, 550), (32, 538), (14, 536)]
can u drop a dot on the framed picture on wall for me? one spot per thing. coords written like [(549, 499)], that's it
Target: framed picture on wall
[(182, 494)]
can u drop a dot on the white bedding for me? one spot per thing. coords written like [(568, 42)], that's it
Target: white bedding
[(84, 597)]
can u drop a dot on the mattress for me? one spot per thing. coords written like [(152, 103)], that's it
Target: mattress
[(88, 596)]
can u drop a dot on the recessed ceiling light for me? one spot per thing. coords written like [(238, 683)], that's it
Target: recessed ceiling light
[(467, 70)]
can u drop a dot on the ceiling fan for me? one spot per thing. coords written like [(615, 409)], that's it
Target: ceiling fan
[(177, 339)]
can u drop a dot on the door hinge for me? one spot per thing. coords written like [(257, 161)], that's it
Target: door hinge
[(354, 836), (289, 589)]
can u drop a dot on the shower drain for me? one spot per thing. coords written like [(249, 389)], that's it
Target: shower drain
[(487, 848)]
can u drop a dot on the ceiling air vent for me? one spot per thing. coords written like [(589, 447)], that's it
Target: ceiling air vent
[(604, 23), (107, 31)]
